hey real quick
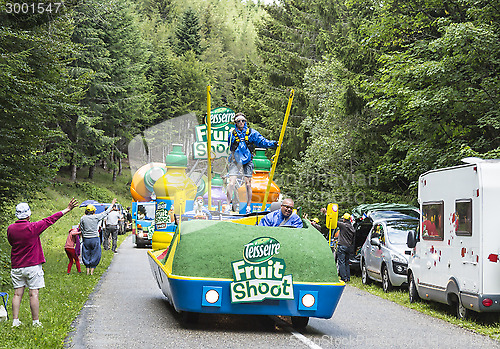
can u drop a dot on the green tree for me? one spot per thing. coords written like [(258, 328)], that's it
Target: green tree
[(36, 94), (187, 34), (437, 89), (179, 85)]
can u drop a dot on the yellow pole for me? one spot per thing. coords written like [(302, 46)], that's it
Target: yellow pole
[(280, 141), (209, 149)]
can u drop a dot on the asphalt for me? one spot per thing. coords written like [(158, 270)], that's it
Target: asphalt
[(128, 310)]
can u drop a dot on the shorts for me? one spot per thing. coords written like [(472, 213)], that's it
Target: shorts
[(28, 276), (234, 169)]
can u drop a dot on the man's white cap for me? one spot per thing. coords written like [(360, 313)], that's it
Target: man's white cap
[(23, 211)]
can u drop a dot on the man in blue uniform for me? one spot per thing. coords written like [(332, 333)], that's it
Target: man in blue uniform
[(285, 217), (242, 141)]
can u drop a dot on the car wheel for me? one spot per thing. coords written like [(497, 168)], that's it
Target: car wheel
[(412, 290), (386, 282), (365, 279), (462, 312), (300, 322)]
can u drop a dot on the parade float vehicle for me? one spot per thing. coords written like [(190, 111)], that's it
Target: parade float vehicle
[(238, 267), (206, 260)]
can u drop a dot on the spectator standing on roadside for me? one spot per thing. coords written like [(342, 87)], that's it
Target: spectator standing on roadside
[(91, 249), (345, 247), (27, 257), (111, 224), (70, 248), (315, 223)]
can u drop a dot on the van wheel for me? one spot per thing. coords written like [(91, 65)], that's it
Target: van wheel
[(386, 282), (462, 312), (412, 290), (300, 322), (365, 279)]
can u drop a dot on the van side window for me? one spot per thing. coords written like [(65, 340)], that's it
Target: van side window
[(432, 221), (463, 216)]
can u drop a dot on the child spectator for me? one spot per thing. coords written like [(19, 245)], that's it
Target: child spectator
[(70, 247)]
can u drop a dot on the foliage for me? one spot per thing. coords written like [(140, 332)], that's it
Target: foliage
[(187, 34), (36, 92)]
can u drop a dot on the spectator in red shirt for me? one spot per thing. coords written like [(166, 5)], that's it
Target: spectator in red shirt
[(27, 257)]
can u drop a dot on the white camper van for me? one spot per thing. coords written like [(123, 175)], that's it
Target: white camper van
[(455, 254)]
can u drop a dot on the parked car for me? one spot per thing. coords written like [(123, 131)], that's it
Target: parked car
[(384, 254), (363, 217)]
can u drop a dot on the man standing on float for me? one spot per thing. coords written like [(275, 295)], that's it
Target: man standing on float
[(242, 141)]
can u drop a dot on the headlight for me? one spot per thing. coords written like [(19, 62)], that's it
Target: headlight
[(398, 258), (308, 300), (212, 296)]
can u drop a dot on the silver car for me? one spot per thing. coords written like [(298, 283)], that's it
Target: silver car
[(384, 255)]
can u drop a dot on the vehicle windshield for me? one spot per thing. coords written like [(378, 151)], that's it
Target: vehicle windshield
[(146, 211), (397, 232)]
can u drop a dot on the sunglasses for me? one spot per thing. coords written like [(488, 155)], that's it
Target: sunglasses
[(240, 120), (288, 207)]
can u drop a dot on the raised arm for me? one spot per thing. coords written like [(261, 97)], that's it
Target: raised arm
[(71, 205)]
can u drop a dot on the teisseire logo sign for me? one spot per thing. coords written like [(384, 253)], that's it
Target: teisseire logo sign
[(260, 275)]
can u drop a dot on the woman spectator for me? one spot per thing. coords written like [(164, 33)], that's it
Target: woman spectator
[(91, 249)]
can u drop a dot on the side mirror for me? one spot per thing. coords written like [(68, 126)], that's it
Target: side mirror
[(411, 239), (375, 242)]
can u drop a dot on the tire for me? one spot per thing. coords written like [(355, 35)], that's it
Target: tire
[(412, 290), (386, 282), (462, 312), (300, 322), (365, 279), (190, 318)]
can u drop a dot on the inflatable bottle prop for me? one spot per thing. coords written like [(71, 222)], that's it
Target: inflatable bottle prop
[(260, 177), (218, 194), (173, 190), (143, 180)]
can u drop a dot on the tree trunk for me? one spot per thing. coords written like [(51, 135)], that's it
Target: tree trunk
[(73, 172), (91, 171), (120, 166)]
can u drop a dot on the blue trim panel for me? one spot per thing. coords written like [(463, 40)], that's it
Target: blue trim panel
[(187, 295)]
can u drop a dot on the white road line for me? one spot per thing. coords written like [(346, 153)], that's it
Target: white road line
[(284, 325)]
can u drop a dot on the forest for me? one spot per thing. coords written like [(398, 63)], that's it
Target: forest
[(384, 90)]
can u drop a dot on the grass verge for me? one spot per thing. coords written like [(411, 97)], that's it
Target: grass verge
[(64, 295)]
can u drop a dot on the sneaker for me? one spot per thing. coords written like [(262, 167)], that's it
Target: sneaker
[(37, 323), (249, 209), (236, 206), (16, 323)]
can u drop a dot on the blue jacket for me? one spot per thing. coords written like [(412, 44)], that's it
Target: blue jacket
[(242, 154), (274, 219)]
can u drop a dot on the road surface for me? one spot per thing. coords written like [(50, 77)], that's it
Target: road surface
[(128, 310)]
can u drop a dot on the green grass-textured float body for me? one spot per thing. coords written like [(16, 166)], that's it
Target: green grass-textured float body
[(207, 248)]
